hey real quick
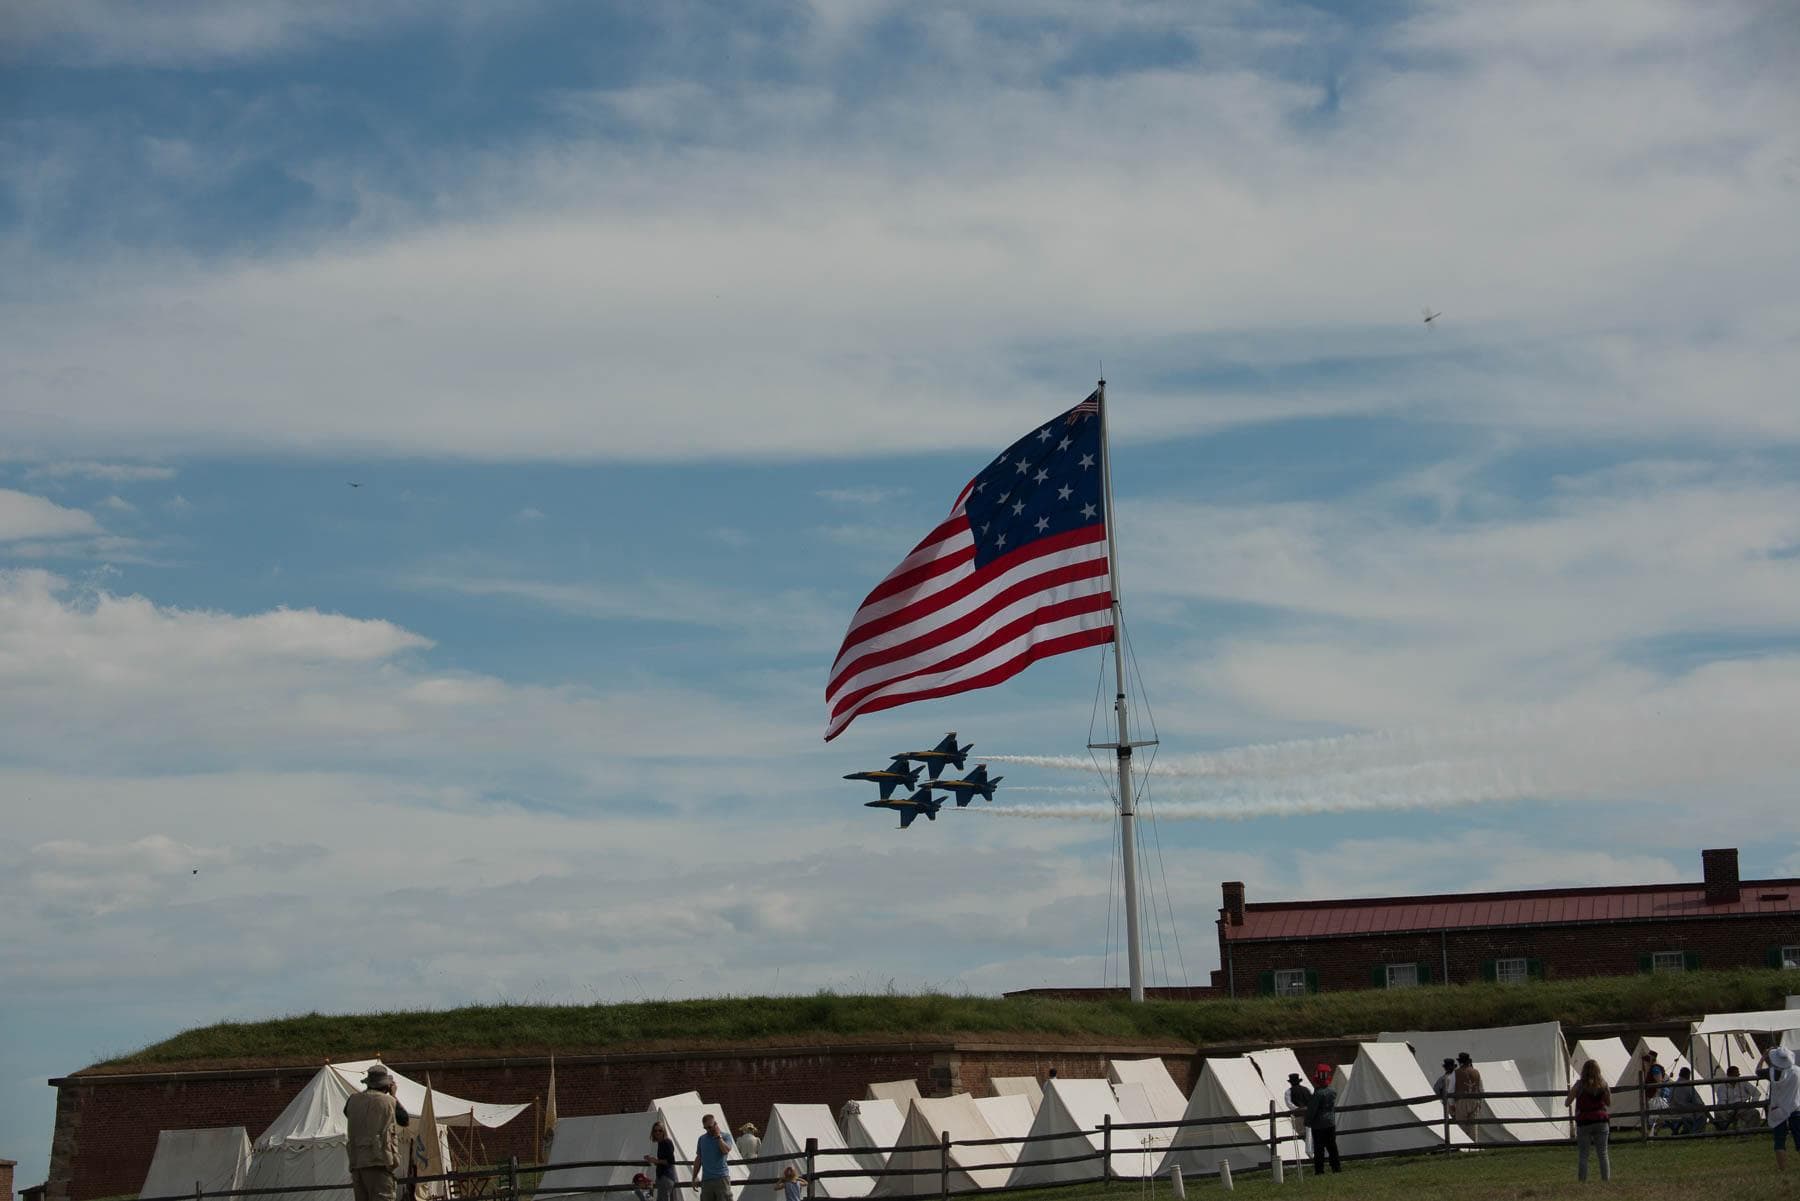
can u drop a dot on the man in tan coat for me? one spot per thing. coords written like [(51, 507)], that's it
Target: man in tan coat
[(375, 1116)]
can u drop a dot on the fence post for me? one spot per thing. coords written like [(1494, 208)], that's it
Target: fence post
[(197, 1196), (512, 1177), (1449, 1104), (1644, 1114), (944, 1167), (1275, 1169), (1106, 1148), (812, 1155)]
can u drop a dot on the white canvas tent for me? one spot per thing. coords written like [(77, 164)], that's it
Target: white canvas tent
[(685, 1124), (1539, 1050), (916, 1173), (1022, 1086), (1275, 1065), (1229, 1088), (900, 1092), (216, 1160), (788, 1128), (1008, 1117), (1512, 1119), (1340, 1078), (1386, 1072), (305, 1144), (1712, 1054), (872, 1128), (1611, 1054), (1070, 1120), (678, 1101), (1165, 1096), (607, 1136), (1628, 1093)]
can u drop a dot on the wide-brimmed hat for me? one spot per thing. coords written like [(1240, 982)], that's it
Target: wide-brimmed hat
[(1781, 1059), (378, 1075)]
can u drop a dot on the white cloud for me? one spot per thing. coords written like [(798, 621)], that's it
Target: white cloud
[(93, 33), (777, 289), (23, 516), (861, 496), (529, 514), (112, 473)]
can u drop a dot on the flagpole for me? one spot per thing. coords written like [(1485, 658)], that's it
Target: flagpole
[(1122, 748)]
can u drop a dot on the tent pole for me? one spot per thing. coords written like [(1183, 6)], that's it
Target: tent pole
[(1122, 749)]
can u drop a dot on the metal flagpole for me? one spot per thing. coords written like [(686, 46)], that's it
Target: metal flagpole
[(1121, 748)]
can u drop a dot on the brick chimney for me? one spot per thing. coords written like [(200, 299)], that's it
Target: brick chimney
[(6, 1179), (1234, 901), (1721, 870)]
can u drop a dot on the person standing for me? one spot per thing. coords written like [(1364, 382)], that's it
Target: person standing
[(1591, 1100), (749, 1143), (372, 1142), (1777, 1067), (664, 1162), (1321, 1119), (1656, 1091), (712, 1162), (1445, 1084), (1467, 1082), (1295, 1098)]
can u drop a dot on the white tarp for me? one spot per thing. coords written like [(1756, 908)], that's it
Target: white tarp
[(1165, 1096), (1628, 1093), (1538, 1049), (451, 1111), (871, 1128), (1773, 1022), (1008, 1117), (1512, 1119), (685, 1124), (788, 1129), (1386, 1072), (1022, 1086), (606, 1136), (1073, 1112), (216, 1159), (1229, 1088), (917, 1173), (678, 1101), (900, 1092)]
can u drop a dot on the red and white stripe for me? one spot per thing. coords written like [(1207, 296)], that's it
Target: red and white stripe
[(937, 625)]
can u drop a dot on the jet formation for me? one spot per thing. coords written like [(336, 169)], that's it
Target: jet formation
[(919, 798)]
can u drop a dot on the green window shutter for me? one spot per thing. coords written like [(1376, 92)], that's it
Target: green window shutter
[(1690, 960), (1490, 972), (1265, 984), (1424, 972), (1646, 964), (1534, 968), (1378, 976), (1775, 960), (1312, 978)]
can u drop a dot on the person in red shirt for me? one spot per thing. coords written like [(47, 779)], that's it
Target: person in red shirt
[(1591, 1100)]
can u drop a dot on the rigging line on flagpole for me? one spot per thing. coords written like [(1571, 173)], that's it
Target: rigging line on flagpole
[(1113, 860), (1155, 825)]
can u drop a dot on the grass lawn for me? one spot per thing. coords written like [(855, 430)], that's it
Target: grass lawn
[(831, 1017), (1735, 1169)]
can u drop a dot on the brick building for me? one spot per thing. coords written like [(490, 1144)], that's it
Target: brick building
[(1296, 947)]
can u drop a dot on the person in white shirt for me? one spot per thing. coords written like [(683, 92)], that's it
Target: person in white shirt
[(1777, 1067)]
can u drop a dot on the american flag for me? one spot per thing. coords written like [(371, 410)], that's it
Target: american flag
[(1017, 573)]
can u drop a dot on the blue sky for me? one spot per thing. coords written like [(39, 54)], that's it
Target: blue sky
[(654, 335)]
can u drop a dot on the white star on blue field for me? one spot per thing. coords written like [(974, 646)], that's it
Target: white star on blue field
[(441, 446)]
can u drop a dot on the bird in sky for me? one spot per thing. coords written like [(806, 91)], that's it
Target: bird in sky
[(1429, 315), (353, 484)]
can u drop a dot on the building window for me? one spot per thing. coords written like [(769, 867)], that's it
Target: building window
[(1512, 971), (1790, 958), (1402, 975), (1668, 961), (1290, 982)]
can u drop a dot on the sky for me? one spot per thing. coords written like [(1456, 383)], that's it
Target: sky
[(654, 335)]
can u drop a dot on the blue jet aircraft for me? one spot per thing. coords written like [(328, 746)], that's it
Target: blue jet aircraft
[(944, 752), (897, 773), (910, 807), (967, 790)]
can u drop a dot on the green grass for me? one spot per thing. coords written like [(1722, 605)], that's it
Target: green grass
[(830, 1017), (1736, 1169)]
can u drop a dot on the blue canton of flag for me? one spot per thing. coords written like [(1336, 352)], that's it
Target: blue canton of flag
[(1046, 483)]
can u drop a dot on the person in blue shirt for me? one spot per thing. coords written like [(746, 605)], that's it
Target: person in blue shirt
[(712, 1162)]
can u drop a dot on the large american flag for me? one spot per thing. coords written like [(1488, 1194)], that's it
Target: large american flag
[(1017, 573)]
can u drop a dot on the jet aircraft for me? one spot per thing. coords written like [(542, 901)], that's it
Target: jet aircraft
[(897, 773), (978, 784), (909, 807), (944, 752)]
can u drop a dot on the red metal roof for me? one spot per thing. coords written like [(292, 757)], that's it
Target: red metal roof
[(1538, 907)]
